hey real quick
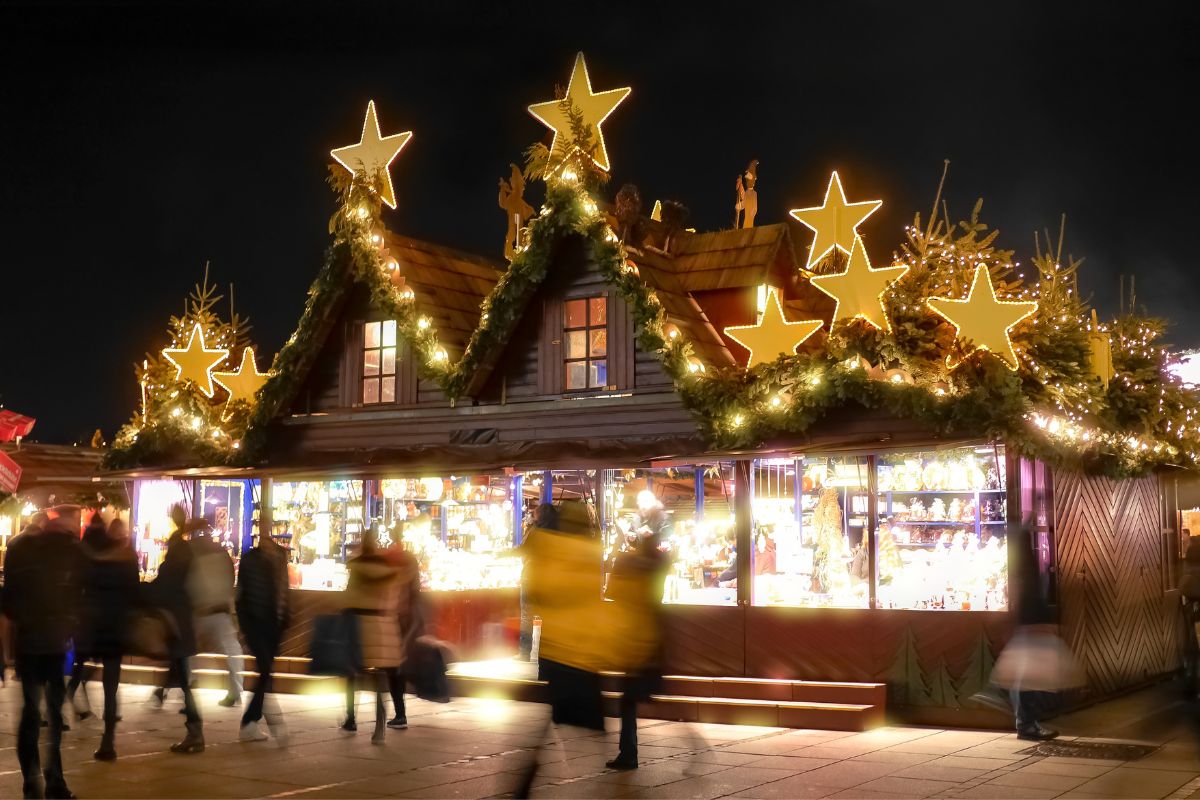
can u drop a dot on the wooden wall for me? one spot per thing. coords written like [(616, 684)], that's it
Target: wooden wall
[(1118, 604)]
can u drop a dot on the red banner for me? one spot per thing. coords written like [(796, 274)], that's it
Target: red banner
[(13, 425), (10, 474)]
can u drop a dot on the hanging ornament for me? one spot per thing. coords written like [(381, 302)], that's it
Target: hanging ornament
[(196, 362), (773, 335), (982, 319), (835, 222), (244, 382), (859, 290), (374, 154), (594, 106), (1099, 351)]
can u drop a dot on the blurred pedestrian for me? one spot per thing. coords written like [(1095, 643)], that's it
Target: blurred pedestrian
[(545, 517), (42, 579), (263, 614), (210, 584), (411, 621), (110, 594), (636, 589), (170, 591), (1189, 590), (373, 595), (94, 538)]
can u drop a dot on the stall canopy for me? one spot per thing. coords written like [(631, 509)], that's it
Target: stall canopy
[(14, 426)]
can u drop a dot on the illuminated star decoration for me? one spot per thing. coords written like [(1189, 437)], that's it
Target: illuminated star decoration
[(374, 154), (594, 106), (773, 335), (835, 221), (984, 320), (244, 383), (196, 362), (859, 290)]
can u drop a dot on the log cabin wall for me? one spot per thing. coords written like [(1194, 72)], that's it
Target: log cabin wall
[(1119, 609)]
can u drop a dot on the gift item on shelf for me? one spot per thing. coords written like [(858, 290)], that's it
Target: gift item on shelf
[(937, 510)]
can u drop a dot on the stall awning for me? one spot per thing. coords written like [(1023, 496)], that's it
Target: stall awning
[(14, 425)]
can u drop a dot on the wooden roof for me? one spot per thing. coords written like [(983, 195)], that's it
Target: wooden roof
[(683, 310), (733, 258), (449, 286)]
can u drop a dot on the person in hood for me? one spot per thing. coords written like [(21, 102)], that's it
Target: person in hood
[(37, 523), (211, 587), (171, 593), (375, 592), (262, 610), (94, 538), (43, 573), (109, 599)]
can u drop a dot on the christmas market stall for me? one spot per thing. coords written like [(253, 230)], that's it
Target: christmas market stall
[(834, 453)]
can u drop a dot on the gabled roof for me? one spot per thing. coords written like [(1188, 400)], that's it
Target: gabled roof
[(448, 284), (683, 310), (733, 258)]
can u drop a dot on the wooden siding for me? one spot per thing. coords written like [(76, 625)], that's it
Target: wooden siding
[(1116, 614)]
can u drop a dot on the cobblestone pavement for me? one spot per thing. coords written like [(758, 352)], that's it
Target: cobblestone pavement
[(478, 748)]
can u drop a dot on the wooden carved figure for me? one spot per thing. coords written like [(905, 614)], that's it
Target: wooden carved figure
[(750, 201), (512, 200)]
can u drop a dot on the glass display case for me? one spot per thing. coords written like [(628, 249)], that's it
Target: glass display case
[(941, 542)]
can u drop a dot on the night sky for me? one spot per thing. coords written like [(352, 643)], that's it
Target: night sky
[(140, 142)]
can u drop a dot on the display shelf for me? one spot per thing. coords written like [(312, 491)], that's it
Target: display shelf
[(945, 491), (960, 523)]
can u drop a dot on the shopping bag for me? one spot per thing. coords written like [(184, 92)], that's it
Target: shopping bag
[(336, 648), (151, 633), (425, 669), (1037, 660)]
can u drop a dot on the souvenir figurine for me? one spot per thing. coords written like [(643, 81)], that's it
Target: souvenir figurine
[(937, 510)]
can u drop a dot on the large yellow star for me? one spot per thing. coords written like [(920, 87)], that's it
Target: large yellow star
[(243, 383), (195, 362), (374, 153), (835, 221), (859, 290), (773, 335), (982, 319), (595, 107)]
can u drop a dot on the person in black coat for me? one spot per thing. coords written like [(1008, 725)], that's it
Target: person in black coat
[(95, 538), (42, 579), (110, 596), (169, 591), (262, 612), (1030, 610)]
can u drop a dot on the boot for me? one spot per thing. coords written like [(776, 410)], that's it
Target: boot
[(56, 787), (1036, 732), (106, 752), (193, 742)]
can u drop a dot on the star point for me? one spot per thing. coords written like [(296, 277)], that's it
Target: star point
[(374, 154), (858, 291), (196, 361), (774, 335), (983, 319), (595, 107), (835, 221), (242, 383)]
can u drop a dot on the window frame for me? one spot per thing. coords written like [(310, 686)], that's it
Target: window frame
[(588, 328), (380, 375)]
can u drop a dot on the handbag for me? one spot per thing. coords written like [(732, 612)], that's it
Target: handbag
[(425, 669), (336, 647), (151, 633), (1037, 660)]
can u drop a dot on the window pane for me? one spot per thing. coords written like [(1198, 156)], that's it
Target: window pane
[(389, 333), (389, 361), (598, 342), (577, 375), (576, 313), (598, 308), (370, 362), (371, 334), (577, 344), (388, 394), (597, 374), (371, 390)]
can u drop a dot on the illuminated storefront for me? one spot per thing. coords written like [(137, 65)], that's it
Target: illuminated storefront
[(227, 505)]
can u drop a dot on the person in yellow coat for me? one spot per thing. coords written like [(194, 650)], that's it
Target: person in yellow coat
[(564, 578)]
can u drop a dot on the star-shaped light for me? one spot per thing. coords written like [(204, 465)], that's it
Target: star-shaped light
[(983, 319), (244, 382), (835, 221), (773, 335), (594, 106), (196, 362), (859, 290), (374, 153)]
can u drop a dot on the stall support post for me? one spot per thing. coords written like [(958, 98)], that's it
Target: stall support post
[(798, 494), (135, 513), (698, 477), (266, 507), (198, 499), (247, 538), (547, 486), (368, 496), (872, 528), (517, 495), (743, 505)]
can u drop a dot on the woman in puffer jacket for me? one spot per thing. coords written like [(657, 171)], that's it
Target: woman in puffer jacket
[(376, 592)]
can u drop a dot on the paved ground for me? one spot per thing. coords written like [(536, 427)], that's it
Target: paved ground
[(476, 748)]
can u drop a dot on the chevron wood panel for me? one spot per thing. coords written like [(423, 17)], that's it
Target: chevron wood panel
[(1113, 611)]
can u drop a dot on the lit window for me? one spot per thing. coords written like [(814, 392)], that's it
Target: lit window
[(379, 362), (585, 330)]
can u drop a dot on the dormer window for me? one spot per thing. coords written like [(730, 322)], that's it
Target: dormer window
[(379, 362), (585, 339)]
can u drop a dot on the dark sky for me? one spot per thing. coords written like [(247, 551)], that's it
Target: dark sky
[(140, 141)]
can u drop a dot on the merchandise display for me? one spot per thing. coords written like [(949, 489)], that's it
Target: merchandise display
[(318, 521)]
